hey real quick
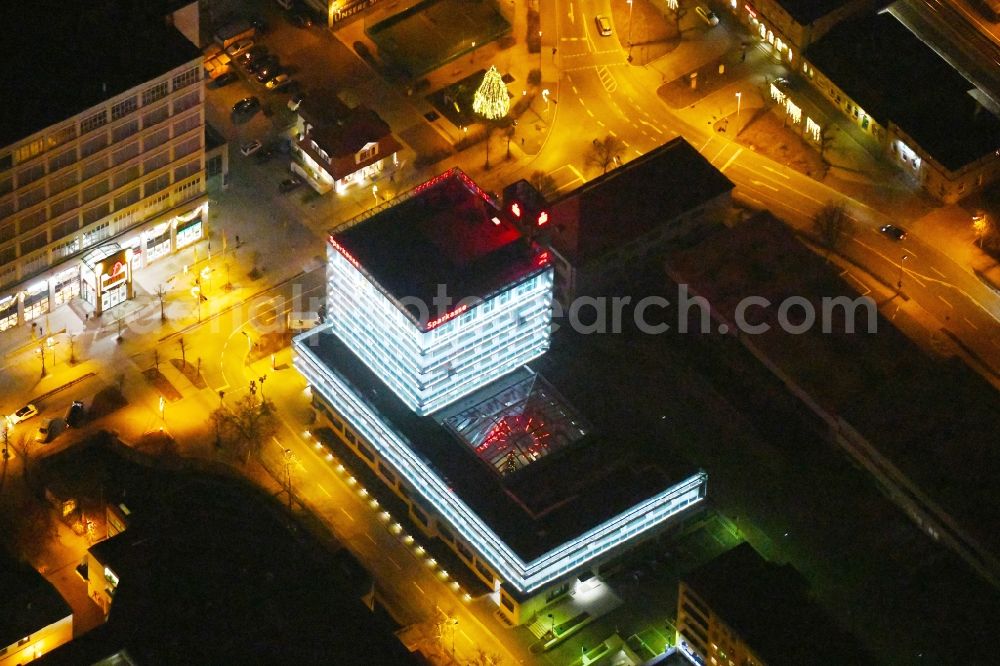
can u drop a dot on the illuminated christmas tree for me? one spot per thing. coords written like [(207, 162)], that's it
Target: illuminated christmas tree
[(491, 100)]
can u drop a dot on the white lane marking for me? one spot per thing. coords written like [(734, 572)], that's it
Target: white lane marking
[(938, 272), (911, 253), (571, 18), (762, 184), (394, 562), (730, 160), (418, 587), (589, 112), (648, 124), (370, 538), (776, 172), (323, 488), (601, 123), (974, 327), (347, 514), (575, 91), (612, 133), (625, 143), (945, 301)]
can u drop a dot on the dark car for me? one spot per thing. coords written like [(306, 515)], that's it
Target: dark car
[(74, 415), (265, 74), (246, 105), (893, 232), (300, 20), (289, 184), (224, 79), (255, 53), (263, 62)]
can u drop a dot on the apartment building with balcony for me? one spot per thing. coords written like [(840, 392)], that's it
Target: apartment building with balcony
[(102, 150)]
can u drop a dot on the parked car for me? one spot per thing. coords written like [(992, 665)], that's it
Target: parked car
[(224, 79), (23, 414), (47, 431), (300, 19), (74, 414), (262, 62), (265, 74), (279, 82), (707, 15), (603, 25), (255, 53), (242, 46), (250, 147), (289, 184), (295, 101), (246, 105), (893, 232)]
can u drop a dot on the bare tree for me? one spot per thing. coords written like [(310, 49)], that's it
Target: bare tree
[(183, 345), (247, 425), (161, 293), (544, 183), (603, 153), (156, 359), (833, 226)]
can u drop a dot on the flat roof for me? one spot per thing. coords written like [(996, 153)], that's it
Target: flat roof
[(768, 606), (632, 200), (28, 603), (622, 459), (894, 76), (237, 582), (441, 233), (64, 57), (806, 11)]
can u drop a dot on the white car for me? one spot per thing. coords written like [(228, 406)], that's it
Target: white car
[(250, 147), (239, 47), (278, 82), (23, 414), (707, 15), (603, 25)]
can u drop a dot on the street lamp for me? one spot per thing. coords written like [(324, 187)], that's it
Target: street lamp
[(545, 96), (163, 406), (899, 282), (980, 226), (539, 55), (631, 5), (739, 100), (50, 342), (196, 292), (375, 193), (552, 625)]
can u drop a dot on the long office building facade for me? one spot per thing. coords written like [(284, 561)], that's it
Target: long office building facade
[(89, 200)]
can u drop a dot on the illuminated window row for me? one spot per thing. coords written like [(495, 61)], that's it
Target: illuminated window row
[(459, 517)]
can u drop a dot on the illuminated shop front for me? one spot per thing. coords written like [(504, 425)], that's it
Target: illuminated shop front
[(106, 276), (760, 27), (8, 312), (65, 285), (156, 242), (36, 301), (190, 226)]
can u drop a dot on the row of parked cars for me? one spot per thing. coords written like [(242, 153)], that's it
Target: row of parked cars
[(49, 427)]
